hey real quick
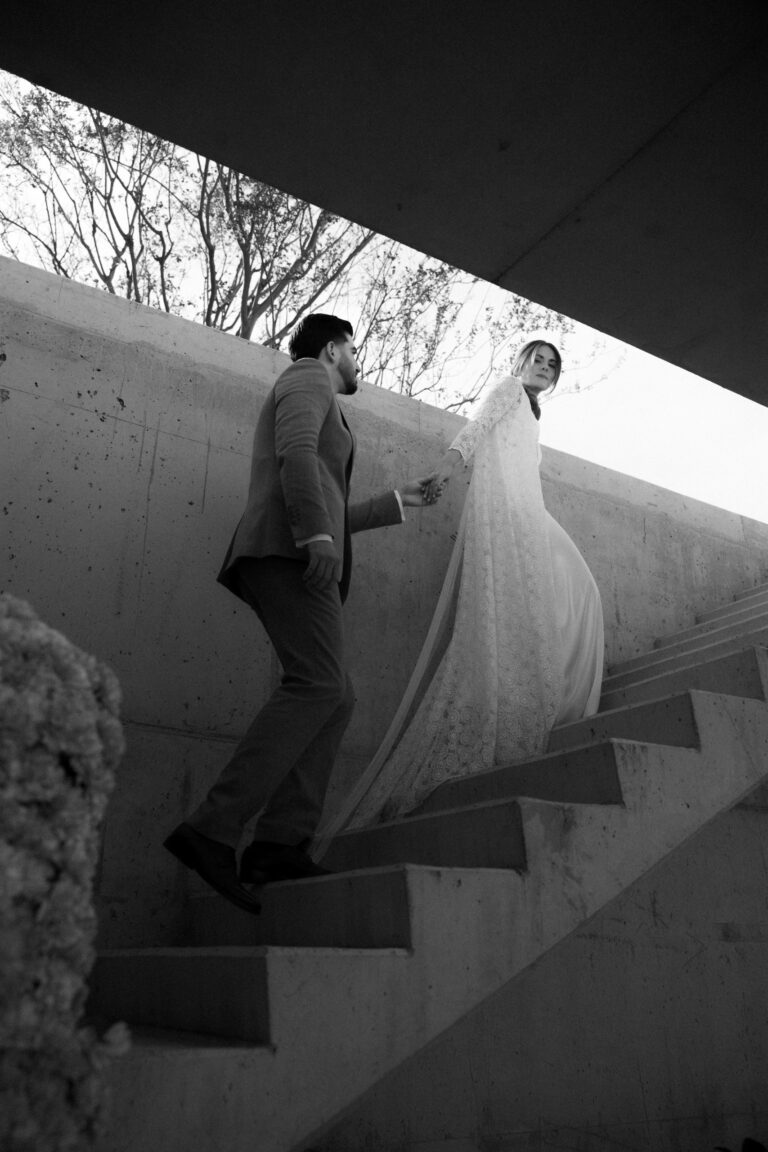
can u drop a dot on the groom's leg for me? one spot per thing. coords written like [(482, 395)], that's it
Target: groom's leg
[(298, 730), (294, 810)]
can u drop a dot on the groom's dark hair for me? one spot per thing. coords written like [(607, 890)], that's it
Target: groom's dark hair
[(314, 331)]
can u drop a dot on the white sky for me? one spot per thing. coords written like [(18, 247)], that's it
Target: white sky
[(642, 416), (676, 430)]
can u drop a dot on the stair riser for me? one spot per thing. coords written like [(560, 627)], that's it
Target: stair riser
[(222, 995), (664, 662), (759, 589), (745, 633), (738, 619), (358, 910), (582, 776), (755, 603), (669, 722), (742, 674), (483, 837)]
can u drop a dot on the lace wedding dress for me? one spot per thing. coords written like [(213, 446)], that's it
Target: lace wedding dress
[(524, 627)]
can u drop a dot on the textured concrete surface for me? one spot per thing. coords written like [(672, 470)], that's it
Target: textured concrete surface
[(123, 465), (645, 1031)]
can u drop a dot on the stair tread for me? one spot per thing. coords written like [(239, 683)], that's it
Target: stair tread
[(734, 607), (748, 656), (583, 773), (747, 592), (242, 951), (661, 656), (414, 817), (147, 1039), (721, 624)]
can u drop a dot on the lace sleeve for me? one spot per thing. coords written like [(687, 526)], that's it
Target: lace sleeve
[(504, 397)]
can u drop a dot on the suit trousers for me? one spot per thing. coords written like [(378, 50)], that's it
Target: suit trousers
[(283, 763)]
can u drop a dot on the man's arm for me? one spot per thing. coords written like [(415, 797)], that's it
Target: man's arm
[(381, 511), (416, 492), (303, 397)]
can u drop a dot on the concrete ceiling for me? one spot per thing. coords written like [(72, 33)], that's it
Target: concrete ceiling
[(608, 159)]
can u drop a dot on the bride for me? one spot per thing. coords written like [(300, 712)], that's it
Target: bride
[(516, 642)]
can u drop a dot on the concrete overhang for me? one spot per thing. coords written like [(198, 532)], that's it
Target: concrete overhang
[(608, 159)]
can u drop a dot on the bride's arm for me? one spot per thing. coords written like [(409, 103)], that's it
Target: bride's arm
[(503, 397)]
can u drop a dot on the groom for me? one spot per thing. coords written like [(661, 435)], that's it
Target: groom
[(290, 561)]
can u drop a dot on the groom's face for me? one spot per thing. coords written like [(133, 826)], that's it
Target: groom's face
[(349, 369)]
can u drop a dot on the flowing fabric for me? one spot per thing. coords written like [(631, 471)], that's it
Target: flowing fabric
[(524, 621)]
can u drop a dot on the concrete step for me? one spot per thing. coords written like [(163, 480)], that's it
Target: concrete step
[(584, 775), (225, 995), (741, 673), (486, 835), (754, 627), (371, 908), (220, 992), (671, 722), (753, 601), (739, 616), (366, 909), (746, 593), (665, 660), (340, 1019)]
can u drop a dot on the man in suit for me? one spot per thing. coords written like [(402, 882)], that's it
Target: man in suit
[(290, 560)]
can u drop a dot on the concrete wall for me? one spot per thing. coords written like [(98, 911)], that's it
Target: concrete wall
[(123, 465)]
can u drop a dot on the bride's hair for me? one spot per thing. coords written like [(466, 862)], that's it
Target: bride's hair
[(525, 357)]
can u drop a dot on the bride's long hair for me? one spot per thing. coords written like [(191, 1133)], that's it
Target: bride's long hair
[(525, 357)]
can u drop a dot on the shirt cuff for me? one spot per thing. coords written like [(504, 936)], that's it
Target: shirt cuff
[(311, 539), (400, 503)]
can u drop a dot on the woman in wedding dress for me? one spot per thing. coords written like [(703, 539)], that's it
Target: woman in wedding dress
[(519, 606)]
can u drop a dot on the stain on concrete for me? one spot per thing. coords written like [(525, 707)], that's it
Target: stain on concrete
[(4, 395)]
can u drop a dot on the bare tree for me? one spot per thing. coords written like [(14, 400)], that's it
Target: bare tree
[(103, 202), (90, 196), (97, 200), (268, 256)]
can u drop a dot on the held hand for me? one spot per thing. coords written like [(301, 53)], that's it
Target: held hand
[(414, 492), (324, 565), (440, 477), (437, 483)]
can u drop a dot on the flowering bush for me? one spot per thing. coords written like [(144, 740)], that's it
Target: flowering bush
[(60, 742)]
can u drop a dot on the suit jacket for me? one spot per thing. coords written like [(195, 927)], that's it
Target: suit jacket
[(300, 472)]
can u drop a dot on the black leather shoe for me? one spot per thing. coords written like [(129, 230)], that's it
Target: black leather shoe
[(215, 862), (265, 863)]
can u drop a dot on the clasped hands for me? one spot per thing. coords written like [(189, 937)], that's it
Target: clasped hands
[(429, 489), (434, 484), (325, 564)]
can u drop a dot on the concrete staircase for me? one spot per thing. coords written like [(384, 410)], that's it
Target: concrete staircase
[(719, 650), (260, 1031)]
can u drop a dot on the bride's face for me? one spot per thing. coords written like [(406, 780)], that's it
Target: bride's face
[(541, 370)]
